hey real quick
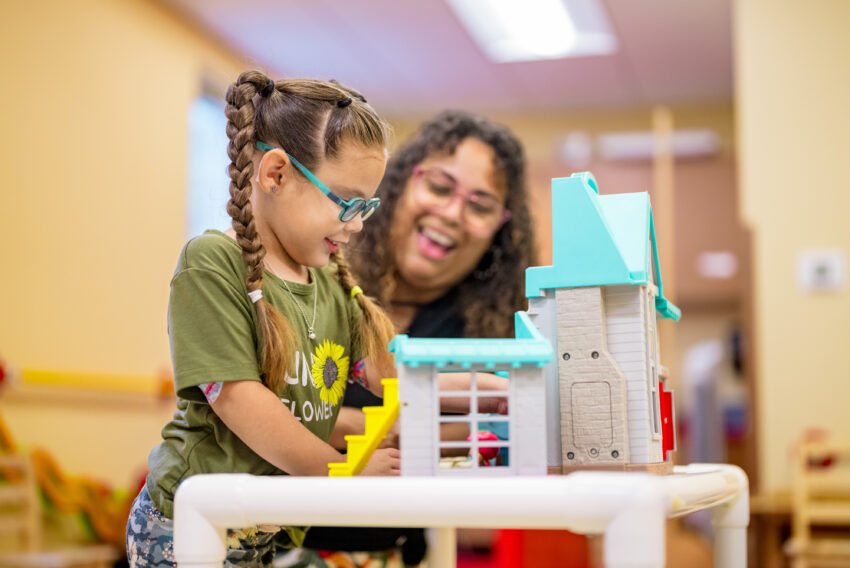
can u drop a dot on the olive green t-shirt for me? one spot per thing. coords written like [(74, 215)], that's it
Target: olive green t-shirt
[(214, 334)]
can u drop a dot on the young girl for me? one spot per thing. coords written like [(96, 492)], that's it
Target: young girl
[(265, 321)]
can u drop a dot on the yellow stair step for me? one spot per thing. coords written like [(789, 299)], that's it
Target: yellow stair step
[(378, 421)]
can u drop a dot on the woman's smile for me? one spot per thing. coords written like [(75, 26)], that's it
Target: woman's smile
[(434, 244)]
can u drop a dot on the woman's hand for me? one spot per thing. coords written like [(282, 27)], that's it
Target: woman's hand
[(384, 461), (391, 440), (493, 404)]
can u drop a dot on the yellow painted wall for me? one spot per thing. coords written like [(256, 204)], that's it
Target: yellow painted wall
[(793, 108), (93, 154)]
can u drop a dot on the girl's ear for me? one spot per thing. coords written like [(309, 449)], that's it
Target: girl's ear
[(274, 170)]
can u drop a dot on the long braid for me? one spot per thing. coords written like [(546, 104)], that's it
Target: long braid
[(375, 330), (277, 339)]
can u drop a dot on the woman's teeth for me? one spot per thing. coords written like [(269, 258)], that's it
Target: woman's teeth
[(438, 238), (434, 245)]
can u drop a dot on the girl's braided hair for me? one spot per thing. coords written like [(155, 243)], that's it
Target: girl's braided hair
[(311, 120), (495, 289)]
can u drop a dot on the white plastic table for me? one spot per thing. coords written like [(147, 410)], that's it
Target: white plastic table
[(629, 509)]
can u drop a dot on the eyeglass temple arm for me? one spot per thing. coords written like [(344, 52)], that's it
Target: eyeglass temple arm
[(308, 174)]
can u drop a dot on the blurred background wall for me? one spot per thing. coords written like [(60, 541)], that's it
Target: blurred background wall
[(793, 123), (94, 150)]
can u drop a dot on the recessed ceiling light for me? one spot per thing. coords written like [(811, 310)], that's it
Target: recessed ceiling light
[(513, 30)]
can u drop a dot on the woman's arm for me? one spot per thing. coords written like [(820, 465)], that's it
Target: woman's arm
[(484, 382), (350, 421)]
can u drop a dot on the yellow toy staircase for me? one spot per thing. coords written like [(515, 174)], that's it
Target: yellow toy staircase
[(378, 422)]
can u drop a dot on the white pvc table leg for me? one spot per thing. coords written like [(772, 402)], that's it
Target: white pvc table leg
[(730, 522), (730, 548), (730, 534), (636, 537), (442, 547)]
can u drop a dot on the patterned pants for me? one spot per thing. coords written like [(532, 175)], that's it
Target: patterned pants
[(150, 540), (150, 544)]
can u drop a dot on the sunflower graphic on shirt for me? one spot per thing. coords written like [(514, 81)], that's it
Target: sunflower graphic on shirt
[(329, 371)]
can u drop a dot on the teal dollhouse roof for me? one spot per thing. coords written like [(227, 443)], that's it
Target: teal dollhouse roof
[(599, 240), (529, 348)]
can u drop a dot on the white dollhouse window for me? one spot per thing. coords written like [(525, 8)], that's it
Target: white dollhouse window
[(488, 444)]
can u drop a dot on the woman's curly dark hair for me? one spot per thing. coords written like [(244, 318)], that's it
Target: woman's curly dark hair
[(495, 289)]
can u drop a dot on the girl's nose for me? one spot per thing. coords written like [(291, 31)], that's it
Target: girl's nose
[(355, 225)]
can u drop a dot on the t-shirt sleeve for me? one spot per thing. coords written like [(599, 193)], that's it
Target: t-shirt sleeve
[(212, 331)]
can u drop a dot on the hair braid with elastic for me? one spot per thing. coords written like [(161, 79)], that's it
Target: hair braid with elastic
[(277, 340), (375, 330)]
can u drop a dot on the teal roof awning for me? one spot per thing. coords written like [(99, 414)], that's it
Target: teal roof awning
[(599, 240), (529, 348)]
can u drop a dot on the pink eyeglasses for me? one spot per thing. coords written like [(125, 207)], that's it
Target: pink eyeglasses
[(482, 211)]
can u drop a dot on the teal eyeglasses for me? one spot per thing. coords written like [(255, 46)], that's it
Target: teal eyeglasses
[(350, 208)]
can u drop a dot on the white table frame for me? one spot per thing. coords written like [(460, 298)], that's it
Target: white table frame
[(629, 509)]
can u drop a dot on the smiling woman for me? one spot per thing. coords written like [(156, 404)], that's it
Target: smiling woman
[(447, 253)]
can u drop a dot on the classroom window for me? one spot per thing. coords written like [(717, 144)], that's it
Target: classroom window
[(208, 181)]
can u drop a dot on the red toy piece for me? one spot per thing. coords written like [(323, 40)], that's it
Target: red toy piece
[(486, 454)]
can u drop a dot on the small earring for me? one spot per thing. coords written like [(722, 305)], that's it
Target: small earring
[(273, 189)]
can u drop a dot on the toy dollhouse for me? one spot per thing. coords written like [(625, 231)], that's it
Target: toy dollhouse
[(597, 305), (585, 387)]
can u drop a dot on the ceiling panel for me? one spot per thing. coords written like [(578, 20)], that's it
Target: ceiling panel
[(414, 57)]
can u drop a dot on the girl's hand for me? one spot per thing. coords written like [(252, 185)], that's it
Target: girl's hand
[(385, 461)]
